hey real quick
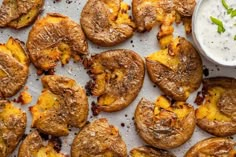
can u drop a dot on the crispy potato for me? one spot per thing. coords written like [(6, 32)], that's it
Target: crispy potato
[(217, 113), (12, 127), (61, 103), (145, 151), (53, 38), (215, 147), (24, 97), (117, 78), (165, 12), (98, 139), (184, 7), (177, 70), (34, 146), (108, 23), (164, 125), (19, 13), (14, 67)]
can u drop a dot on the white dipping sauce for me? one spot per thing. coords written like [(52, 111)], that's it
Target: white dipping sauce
[(220, 47)]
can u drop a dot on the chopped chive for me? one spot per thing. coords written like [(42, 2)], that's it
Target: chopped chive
[(235, 37), (229, 11), (220, 29), (219, 23), (216, 21), (233, 13), (225, 4)]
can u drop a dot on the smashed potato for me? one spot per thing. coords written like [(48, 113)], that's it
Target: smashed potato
[(150, 152), (217, 112), (98, 139), (12, 127), (34, 146), (176, 70), (164, 125), (19, 13), (215, 147), (117, 78), (108, 23), (53, 38), (14, 67), (149, 12), (61, 103)]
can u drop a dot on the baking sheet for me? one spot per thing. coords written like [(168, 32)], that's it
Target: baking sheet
[(143, 44)]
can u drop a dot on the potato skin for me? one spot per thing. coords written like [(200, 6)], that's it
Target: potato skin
[(188, 73), (145, 12), (160, 134), (125, 90), (12, 128), (144, 15), (211, 147), (72, 109), (185, 7), (151, 152), (32, 142), (28, 17), (98, 138), (34, 145), (98, 29), (46, 34), (17, 72), (226, 104), (11, 11)]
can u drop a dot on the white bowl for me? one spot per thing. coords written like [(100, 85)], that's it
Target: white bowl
[(197, 43)]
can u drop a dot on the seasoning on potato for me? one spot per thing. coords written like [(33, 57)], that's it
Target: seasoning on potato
[(55, 38), (215, 146), (19, 13), (108, 23), (12, 127), (97, 139), (117, 78), (14, 67), (149, 12), (163, 124), (34, 146), (217, 111), (146, 151), (62, 103), (176, 70)]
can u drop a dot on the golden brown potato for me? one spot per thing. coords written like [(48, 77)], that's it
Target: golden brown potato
[(217, 111), (213, 147), (12, 127), (108, 23), (184, 7), (34, 146), (98, 139), (117, 78), (19, 13), (53, 38), (164, 125), (177, 70), (165, 12), (14, 67), (145, 151), (61, 103)]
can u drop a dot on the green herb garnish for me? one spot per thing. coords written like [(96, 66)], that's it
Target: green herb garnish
[(233, 13), (235, 37), (225, 4), (219, 23), (229, 10)]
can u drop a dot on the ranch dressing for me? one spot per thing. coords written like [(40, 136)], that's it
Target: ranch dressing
[(219, 47)]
